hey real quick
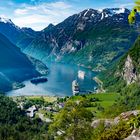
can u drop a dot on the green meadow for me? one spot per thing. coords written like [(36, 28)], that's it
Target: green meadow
[(97, 103)]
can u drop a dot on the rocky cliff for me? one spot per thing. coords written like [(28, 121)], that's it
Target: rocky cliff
[(129, 71), (126, 71)]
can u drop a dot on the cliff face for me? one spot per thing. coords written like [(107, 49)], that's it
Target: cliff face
[(129, 71), (126, 71), (131, 64)]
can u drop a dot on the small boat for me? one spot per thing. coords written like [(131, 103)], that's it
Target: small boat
[(39, 80), (75, 87), (81, 74)]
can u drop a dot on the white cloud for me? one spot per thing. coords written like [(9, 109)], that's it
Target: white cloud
[(45, 13), (21, 11)]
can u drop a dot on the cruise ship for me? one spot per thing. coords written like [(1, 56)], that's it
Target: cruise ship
[(81, 74), (75, 87)]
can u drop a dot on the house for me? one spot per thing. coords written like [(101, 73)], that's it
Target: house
[(31, 111)]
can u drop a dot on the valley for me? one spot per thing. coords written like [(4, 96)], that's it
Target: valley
[(78, 79), (93, 39)]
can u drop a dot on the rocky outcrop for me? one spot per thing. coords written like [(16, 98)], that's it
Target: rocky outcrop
[(125, 116), (135, 135), (129, 72), (106, 122)]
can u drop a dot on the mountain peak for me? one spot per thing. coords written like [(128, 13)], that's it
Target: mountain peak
[(5, 20), (50, 26), (27, 29), (88, 12), (101, 13), (116, 10)]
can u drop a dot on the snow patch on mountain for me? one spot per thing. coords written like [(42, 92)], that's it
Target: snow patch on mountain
[(111, 12), (117, 11), (86, 12), (102, 16), (100, 10), (5, 20), (92, 15), (121, 10)]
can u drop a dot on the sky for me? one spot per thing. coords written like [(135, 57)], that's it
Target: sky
[(38, 14)]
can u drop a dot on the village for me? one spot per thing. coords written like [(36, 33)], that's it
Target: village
[(42, 107), (45, 107)]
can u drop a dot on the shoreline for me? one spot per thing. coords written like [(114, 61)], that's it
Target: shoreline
[(50, 96), (47, 98), (33, 96), (100, 84)]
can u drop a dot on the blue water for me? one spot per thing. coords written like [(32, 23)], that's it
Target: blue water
[(59, 83)]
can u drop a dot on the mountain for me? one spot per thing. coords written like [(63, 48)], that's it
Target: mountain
[(126, 72), (29, 32), (91, 38), (14, 65), (50, 26), (20, 37)]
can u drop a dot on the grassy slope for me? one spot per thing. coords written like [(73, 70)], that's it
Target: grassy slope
[(46, 98), (105, 100)]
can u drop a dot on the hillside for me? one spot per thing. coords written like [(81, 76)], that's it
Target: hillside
[(14, 65), (91, 38), (69, 117), (20, 37), (126, 72)]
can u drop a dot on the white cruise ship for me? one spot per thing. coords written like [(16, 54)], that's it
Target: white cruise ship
[(81, 74), (75, 87)]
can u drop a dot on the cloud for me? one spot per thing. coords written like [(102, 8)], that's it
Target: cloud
[(43, 13), (21, 11)]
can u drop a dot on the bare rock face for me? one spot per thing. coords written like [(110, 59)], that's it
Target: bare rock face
[(129, 72), (106, 122), (125, 116), (135, 135)]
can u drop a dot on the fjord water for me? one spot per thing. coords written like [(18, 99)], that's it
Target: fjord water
[(59, 83)]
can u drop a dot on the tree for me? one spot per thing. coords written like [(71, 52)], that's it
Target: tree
[(15, 125), (132, 15), (73, 122)]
